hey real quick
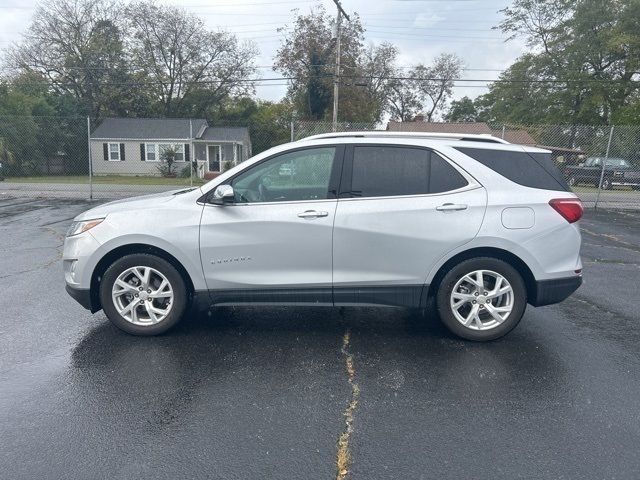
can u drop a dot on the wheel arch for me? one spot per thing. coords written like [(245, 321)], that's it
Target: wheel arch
[(123, 250), (493, 252)]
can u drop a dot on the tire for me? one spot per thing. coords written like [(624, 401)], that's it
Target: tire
[(606, 184), (154, 313), (484, 326), (573, 181)]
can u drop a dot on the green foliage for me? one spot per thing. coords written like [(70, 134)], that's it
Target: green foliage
[(166, 165), (269, 122), (308, 55), (185, 172), (586, 55), (463, 110)]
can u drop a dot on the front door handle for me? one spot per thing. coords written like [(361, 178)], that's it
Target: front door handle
[(313, 214), (451, 207)]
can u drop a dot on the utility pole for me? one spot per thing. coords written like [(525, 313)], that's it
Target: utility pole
[(336, 77)]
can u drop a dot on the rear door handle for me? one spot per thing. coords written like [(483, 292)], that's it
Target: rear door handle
[(450, 207), (312, 214)]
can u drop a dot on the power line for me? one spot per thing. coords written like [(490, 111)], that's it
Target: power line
[(398, 34), (365, 77)]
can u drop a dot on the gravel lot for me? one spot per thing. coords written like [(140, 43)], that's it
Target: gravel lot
[(262, 393)]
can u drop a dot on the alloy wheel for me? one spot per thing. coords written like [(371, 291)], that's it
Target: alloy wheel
[(482, 300), (142, 295)]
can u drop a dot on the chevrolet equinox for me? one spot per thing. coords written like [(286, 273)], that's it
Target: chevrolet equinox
[(469, 226)]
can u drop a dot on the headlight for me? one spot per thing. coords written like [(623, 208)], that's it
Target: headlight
[(77, 228)]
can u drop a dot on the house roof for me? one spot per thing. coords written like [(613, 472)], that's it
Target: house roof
[(439, 127), (226, 134), (521, 137), (518, 136), (148, 128)]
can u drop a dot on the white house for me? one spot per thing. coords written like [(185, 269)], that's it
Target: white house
[(132, 146)]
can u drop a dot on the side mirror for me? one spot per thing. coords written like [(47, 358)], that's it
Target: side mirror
[(223, 194)]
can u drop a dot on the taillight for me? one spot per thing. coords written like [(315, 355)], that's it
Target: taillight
[(570, 208)]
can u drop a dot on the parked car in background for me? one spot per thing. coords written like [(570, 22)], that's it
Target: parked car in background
[(462, 223), (1, 172), (617, 171)]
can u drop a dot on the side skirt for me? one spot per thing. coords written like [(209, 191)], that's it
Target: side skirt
[(377, 295)]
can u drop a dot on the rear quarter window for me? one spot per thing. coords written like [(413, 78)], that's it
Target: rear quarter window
[(535, 170)]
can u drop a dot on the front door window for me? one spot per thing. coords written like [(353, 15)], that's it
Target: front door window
[(294, 176)]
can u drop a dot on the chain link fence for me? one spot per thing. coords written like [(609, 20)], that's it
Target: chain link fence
[(68, 157)]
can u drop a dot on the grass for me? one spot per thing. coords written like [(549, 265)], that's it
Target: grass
[(107, 179)]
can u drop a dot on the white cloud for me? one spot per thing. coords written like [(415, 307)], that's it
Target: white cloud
[(427, 20)]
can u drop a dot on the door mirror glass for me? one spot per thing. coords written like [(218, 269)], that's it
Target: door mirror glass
[(223, 194)]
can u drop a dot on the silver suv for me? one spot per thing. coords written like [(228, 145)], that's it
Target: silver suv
[(469, 226)]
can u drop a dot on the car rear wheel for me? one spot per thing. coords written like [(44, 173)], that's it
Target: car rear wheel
[(143, 294), (481, 299)]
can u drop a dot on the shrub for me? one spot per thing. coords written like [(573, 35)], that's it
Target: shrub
[(167, 167)]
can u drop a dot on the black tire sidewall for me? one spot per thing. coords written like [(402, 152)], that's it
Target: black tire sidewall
[(180, 294), (467, 266)]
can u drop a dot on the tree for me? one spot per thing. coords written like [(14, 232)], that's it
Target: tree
[(583, 63), (434, 84), (166, 166), (269, 122), (463, 110), (307, 56), (181, 58), (402, 101), (77, 48)]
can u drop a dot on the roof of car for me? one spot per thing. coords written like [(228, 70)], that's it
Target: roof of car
[(426, 135)]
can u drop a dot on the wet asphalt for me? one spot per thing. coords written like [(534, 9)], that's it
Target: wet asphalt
[(262, 392)]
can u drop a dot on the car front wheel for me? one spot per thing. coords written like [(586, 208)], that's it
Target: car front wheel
[(606, 184), (481, 299), (143, 294)]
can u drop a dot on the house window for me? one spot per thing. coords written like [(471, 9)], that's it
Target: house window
[(151, 152), (114, 152), (154, 151), (178, 147), (179, 152)]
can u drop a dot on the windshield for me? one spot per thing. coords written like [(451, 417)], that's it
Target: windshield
[(611, 162)]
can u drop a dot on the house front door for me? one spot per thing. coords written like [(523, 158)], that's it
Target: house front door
[(214, 155)]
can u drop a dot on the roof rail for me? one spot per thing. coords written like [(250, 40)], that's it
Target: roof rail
[(470, 137)]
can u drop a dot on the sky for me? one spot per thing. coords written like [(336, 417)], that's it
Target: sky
[(421, 29)]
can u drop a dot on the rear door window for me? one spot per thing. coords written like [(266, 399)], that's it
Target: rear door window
[(535, 170), (444, 177), (385, 171)]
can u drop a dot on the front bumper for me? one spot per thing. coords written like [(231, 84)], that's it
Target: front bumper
[(82, 296), (547, 292)]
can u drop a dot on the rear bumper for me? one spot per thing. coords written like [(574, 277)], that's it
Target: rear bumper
[(82, 296), (548, 292)]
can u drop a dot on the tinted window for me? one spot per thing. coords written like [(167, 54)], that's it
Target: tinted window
[(444, 177), (387, 171), (611, 162), (392, 171), (300, 175), (535, 170)]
